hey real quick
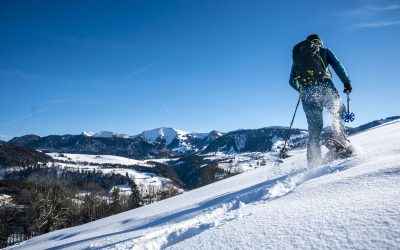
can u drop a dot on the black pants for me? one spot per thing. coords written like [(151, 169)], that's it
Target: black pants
[(314, 98)]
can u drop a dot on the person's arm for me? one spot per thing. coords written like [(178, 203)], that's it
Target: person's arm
[(293, 80), (338, 67)]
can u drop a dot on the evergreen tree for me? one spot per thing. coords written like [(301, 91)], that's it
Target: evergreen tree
[(7, 216), (134, 200), (115, 206)]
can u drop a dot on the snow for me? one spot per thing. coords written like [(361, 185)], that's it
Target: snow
[(108, 134), (202, 135), (144, 180), (5, 199), (123, 189), (104, 134), (346, 204), (169, 134), (240, 141), (88, 134), (99, 159), (242, 162)]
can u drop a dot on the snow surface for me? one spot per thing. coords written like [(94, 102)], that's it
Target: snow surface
[(169, 134), (88, 134), (346, 204), (5, 199), (238, 163), (144, 180), (101, 159)]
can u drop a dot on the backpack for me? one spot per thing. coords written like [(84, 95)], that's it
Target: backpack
[(308, 64)]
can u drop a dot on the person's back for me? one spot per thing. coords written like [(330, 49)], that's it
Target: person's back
[(318, 92)]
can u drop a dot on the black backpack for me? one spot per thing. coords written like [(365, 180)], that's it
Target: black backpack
[(308, 64)]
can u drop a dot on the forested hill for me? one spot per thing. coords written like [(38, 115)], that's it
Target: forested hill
[(11, 155)]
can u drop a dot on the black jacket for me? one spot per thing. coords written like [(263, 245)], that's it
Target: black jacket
[(329, 59)]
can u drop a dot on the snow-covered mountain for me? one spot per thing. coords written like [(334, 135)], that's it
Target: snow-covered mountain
[(164, 135), (105, 134), (178, 140), (255, 140), (345, 204)]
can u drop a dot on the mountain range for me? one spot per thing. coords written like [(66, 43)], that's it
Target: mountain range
[(170, 142)]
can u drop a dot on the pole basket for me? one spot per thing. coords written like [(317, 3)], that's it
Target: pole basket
[(348, 116)]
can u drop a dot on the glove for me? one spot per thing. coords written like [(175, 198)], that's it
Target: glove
[(347, 88)]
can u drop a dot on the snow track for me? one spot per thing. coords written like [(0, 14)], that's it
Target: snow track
[(219, 211), (185, 224)]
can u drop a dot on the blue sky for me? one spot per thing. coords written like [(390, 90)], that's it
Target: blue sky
[(129, 66)]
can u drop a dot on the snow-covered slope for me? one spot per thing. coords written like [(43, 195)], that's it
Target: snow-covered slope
[(167, 134), (109, 164), (346, 204), (103, 159)]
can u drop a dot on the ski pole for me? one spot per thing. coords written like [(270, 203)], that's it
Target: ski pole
[(283, 150), (348, 116)]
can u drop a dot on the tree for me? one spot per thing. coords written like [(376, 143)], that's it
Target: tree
[(134, 200), (168, 192), (7, 216), (115, 206), (49, 208)]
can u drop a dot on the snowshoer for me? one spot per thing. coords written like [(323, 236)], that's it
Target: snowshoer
[(310, 74)]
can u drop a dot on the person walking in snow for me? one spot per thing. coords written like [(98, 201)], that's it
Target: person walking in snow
[(310, 75)]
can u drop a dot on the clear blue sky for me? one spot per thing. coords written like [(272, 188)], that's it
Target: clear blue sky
[(129, 66)]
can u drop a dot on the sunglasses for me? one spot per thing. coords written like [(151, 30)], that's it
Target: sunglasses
[(317, 42)]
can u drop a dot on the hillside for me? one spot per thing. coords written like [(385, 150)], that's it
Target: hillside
[(351, 203), (22, 157)]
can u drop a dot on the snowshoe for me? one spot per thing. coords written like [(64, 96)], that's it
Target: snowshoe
[(337, 149)]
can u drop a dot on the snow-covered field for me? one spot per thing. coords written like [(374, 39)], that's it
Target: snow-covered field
[(238, 163), (346, 204), (104, 159), (144, 180)]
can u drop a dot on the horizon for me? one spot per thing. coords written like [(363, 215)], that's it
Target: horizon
[(127, 66), (224, 132)]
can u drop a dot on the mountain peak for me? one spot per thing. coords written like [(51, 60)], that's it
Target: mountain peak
[(163, 134), (87, 134)]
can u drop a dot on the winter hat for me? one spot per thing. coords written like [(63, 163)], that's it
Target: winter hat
[(314, 37)]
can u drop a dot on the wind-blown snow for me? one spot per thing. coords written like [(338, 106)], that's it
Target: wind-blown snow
[(346, 204)]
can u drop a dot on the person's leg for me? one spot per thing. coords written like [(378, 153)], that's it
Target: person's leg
[(315, 122), (336, 107)]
